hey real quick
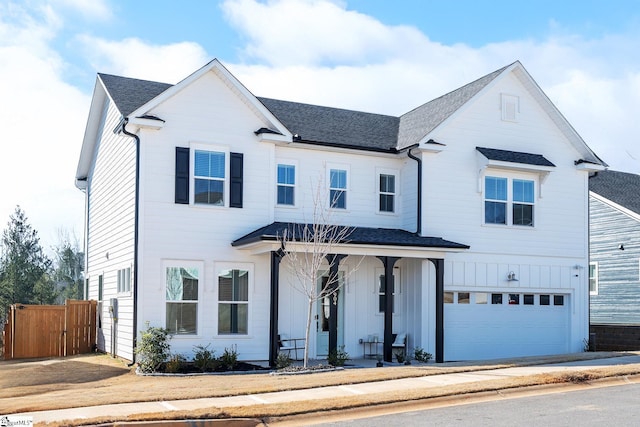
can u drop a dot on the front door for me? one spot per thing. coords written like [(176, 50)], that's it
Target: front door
[(322, 317)]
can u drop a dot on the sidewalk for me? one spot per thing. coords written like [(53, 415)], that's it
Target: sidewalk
[(332, 392)]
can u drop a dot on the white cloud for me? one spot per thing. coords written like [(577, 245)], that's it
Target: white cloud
[(93, 9), (306, 50), (135, 58), (319, 52), (39, 119)]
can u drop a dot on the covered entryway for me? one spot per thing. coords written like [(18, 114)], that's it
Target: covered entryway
[(482, 325), (388, 245)]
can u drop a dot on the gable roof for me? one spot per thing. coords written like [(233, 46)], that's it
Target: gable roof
[(419, 122), (317, 125), (128, 94), (336, 127), (621, 188)]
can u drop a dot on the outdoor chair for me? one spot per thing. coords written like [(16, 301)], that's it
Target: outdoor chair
[(288, 345), (400, 343)]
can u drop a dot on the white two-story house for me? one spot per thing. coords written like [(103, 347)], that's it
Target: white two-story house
[(469, 216)]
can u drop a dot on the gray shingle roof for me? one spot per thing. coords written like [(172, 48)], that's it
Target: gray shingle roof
[(359, 235), (514, 157), (336, 127), (619, 187), (416, 124), (129, 94)]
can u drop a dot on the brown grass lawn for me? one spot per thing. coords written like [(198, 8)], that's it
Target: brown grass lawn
[(87, 380)]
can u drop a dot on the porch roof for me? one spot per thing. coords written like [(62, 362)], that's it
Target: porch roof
[(365, 236)]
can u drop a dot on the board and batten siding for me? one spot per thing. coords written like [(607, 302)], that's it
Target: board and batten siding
[(110, 231), (618, 297)]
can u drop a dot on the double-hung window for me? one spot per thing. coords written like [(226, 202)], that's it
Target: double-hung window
[(495, 200), (338, 188), (522, 202), (209, 177), (182, 284), (233, 301), (509, 201), (387, 192), (286, 184)]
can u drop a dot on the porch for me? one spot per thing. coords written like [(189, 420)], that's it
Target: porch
[(386, 247)]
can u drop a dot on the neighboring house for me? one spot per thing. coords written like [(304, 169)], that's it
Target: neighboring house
[(474, 204), (614, 268)]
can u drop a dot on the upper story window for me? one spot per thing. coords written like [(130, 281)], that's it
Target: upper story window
[(509, 201), (209, 177), (387, 192), (286, 184), (593, 278), (338, 188)]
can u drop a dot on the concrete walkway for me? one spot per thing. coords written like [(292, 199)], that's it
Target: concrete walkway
[(292, 396)]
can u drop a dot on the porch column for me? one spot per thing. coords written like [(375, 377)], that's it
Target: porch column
[(388, 262), (276, 257), (439, 264), (334, 263)]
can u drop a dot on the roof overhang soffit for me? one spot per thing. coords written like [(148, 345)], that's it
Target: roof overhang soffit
[(266, 246), (90, 138)]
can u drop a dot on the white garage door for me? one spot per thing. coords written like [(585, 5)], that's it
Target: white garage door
[(481, 325)]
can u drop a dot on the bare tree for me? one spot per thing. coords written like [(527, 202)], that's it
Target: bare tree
[(307, 248)]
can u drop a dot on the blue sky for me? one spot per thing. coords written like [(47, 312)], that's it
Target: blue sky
[(372, 55)]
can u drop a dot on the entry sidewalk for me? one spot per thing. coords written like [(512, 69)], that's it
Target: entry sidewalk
[(330, 392)]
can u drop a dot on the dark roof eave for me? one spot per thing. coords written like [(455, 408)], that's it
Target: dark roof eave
[(391, 150), (269, 238)]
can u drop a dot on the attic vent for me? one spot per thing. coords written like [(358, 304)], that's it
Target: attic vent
[(510, 107)]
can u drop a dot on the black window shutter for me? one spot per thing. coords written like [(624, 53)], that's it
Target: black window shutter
[(182, 175), (235, 173)]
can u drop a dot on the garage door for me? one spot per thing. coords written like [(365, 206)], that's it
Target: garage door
[(480, 325)]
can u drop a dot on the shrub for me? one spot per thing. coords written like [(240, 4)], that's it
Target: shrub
[(204, 358), (153, 348), (175, 363), (283, 361), (229, 358), (338, 357), (419, 355)]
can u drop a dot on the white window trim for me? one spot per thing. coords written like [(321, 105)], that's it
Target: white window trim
[(596, 273), (219, 266), (200, 146), (347, 189), (396, 194), (201, 281), (509, 218), (121, 274), (293, 163)]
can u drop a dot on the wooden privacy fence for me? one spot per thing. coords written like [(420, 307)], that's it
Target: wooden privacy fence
[(50, 330)]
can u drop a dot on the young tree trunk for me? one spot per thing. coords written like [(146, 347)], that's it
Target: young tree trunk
[(307, 333)]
